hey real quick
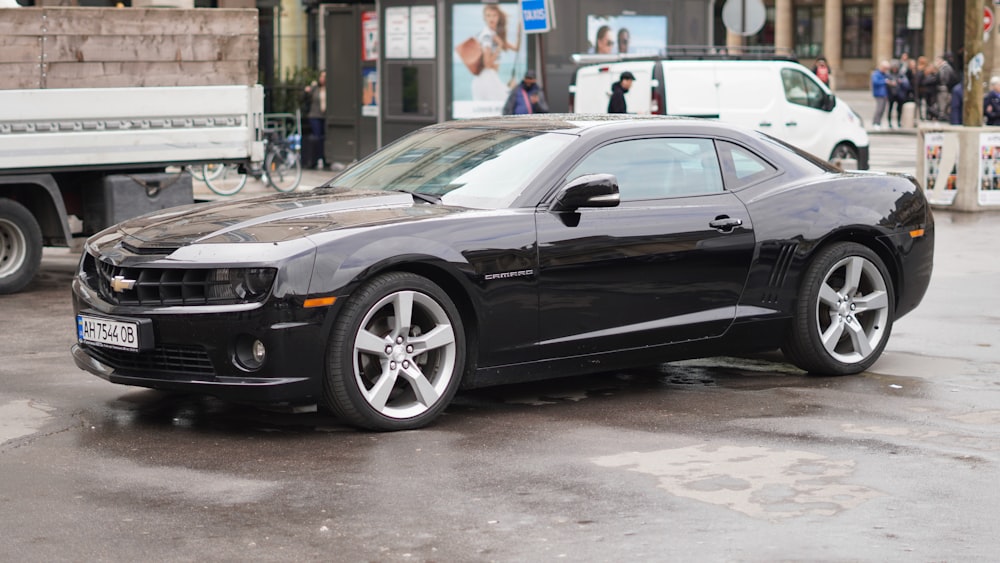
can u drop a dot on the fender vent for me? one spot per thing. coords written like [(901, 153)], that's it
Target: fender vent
[(782, 260)]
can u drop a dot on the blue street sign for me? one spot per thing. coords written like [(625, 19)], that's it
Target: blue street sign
[(537, 16)]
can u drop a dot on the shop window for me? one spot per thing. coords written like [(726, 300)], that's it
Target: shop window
[(857, 32), (906, 40), (808, 31)]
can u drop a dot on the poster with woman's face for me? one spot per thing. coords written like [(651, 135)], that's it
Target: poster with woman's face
[(489, 57), (635, 35)]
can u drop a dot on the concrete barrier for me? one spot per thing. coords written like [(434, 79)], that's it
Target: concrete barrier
[(959, 166)]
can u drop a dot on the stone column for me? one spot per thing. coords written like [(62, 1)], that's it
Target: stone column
[(883, 34), (783, 26), (833, 29), (940, 29)]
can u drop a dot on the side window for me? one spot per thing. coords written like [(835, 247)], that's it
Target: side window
[(657, 168), (801, 90), (742, 167)]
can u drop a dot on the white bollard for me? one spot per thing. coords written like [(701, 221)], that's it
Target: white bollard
[(908, 117)]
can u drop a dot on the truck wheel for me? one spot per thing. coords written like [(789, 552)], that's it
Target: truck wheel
[(20, 246)]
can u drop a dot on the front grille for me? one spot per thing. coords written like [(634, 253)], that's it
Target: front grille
[(160, 287), (167, 359)]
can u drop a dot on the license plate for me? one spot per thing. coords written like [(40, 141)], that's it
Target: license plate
[(100, 331)]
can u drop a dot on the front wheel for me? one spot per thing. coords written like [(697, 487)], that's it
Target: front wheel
[(20, 246), (844, 314), (846, 157), (396, 355)]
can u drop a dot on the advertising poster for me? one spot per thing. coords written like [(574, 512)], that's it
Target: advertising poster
[(369, 92), (627, 34), (397, 33), (940, 168), (489, 57), (989, 169), (369, 36)]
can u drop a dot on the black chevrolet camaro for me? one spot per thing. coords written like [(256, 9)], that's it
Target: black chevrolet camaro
[(504, 250)]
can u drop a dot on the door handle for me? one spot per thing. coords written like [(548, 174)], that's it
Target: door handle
[(725, 224), (791, 123), (765, 123)]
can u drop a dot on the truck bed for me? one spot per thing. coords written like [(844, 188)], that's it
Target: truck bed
[(74, 128)]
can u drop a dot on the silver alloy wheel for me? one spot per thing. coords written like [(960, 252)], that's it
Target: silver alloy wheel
[(852, 312), (13, 248), (404, 354)]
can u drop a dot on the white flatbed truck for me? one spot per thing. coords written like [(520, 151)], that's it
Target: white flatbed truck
[(101, 109)]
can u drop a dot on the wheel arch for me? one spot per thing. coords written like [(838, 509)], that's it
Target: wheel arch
[(446, 271), (40, 194), (873, 240)]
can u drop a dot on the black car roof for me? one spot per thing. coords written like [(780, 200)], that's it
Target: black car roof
[(568, 122)]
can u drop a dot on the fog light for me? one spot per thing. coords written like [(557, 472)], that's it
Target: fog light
[(250, 353)]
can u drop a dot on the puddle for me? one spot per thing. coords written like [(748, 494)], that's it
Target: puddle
[(22, 418), (764, 483)]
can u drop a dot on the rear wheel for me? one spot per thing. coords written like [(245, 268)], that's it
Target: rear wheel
[(396, 355), (844, 315), (845, 156), (20, 246)]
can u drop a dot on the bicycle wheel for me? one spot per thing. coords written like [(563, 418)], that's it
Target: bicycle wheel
[(211, 171), (229, 179), (196, 172), (284, 169)]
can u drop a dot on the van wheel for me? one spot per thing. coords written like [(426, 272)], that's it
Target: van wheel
[(20, 246), (845, 156)]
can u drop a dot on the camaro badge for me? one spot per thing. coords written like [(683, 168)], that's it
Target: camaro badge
[(120, 284)]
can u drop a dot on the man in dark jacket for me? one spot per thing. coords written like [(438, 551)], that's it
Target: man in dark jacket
[(618, 91), (526, 97), (991, 103)]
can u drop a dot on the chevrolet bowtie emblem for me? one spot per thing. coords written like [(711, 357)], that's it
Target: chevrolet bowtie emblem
[(120, 284)]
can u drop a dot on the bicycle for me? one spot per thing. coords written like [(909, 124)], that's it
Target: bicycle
[(282, 167)]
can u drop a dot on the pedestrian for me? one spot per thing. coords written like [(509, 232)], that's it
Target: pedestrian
[(956, 104), (947, 78), (821, 70), (880, 91), (892, 93), (991, 102), (928, 91), (317, 122), (618, 91), (904, 92), (526, 97)]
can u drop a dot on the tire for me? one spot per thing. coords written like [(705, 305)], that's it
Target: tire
[(387, 371), (228, 181), (844, 313), (845, 156), (20, 246), (284, 169)]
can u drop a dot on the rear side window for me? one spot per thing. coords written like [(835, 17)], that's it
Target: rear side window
[(742, 167), (657, 168)]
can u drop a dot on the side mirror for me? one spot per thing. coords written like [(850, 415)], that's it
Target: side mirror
[(829, 102), (589, 190)]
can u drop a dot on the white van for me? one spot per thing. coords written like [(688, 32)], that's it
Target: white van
[(779, 97)]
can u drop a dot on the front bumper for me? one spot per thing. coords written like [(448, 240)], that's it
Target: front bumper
[(199, 351)]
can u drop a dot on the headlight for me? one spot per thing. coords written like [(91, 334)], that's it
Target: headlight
[(248, 284)]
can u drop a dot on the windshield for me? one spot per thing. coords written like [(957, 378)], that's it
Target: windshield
[(479, 168)]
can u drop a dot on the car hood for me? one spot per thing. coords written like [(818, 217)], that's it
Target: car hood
[(273, 218)]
